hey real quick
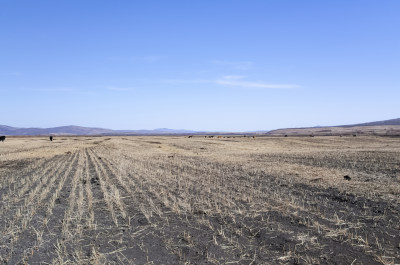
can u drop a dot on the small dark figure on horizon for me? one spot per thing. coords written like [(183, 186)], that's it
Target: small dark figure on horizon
[(2, 138), (51, 138)]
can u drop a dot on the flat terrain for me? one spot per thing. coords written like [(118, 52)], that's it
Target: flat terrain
[(179, 200)]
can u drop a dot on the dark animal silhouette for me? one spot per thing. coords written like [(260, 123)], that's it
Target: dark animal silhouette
[(51, 138), (190, 136), (285, 135), (2, 138), (347, 178)]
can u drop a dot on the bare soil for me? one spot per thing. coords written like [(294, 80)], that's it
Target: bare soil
[(179, 200)]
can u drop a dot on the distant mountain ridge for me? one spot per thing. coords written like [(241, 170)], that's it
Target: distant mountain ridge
[(79, 130), (376, 123), (386, 127)]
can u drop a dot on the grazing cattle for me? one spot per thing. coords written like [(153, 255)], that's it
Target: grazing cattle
[(311, 135), (254, 137), (219, 136), (354, 135), (190, 136), (285, 135), (51, 138), (2, 138)]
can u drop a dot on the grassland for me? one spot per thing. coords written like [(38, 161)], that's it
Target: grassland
[(175, 200)]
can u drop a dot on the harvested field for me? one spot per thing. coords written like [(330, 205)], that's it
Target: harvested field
[(175, 200)]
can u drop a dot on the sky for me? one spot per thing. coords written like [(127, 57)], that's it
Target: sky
[(200, 65)]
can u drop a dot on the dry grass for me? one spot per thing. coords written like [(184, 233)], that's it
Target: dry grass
[(170, 200)]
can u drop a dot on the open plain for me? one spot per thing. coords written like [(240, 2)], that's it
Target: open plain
[(179, 200)]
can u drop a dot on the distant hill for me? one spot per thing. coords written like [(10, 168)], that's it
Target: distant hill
[(78, 130), (63, 130), (376, 123), (386, 127)]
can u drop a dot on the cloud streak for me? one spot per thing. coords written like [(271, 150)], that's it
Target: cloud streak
[(237, 81), (114, 88), (12, 73), (233, 81), (183, 81), (243, 65), (147, 59)]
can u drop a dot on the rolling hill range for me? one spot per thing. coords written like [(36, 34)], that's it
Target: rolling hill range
[(386, 127), (376, 123), (78, 130)]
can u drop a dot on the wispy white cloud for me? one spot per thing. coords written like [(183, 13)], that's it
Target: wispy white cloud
[(233, 77), (242, 65), (233, 81), (148, 59), (118, 58), (152, 58), (12, 73), (55, 89), (237, 81), (51, 89), (185, 81), (115, 88)]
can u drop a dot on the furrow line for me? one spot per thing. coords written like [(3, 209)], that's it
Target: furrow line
[(71, 217), (39, 225), (166, 226), (127, 190), (101, 180), (26, 212), (114, 192), (89, 193), (54, 216), (14, 195), (14, 182), (29, 204)]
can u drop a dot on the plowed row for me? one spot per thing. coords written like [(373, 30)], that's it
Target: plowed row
[(175, 200)]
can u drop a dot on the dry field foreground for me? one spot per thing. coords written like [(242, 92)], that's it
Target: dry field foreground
[(174, 200)]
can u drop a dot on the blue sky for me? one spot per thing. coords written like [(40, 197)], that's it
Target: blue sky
[(202, 65)]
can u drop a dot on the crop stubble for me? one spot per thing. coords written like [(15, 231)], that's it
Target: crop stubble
[(174, 200)]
